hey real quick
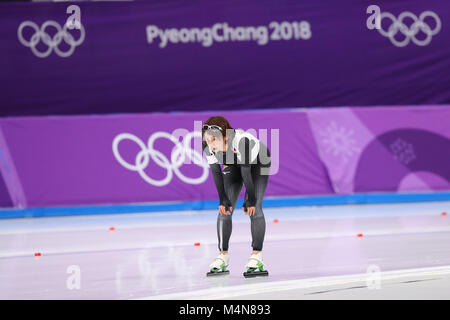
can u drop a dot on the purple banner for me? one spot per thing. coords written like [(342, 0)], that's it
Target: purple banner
[(147, 56), (384, 149), (114, 159), (134, 158)]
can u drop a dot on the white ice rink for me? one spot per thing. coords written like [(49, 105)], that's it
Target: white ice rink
[(311, 253)]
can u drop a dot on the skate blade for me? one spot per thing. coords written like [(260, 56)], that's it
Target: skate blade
[(218, 273), (254, 274)]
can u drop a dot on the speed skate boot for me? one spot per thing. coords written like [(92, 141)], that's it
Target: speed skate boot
[(219, 265), (255, 266)]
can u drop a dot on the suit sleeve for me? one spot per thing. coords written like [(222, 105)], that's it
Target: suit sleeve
[(217, 176), (246, 172), (218, 180)]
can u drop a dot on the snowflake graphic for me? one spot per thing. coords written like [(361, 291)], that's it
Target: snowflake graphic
[(403, 151), (339, 141)]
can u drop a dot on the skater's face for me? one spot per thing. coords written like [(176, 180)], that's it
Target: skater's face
[(215, 142)]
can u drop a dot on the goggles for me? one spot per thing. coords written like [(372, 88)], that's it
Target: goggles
[(212, 127)]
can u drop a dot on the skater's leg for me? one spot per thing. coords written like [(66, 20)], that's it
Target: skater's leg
[(233, 185), (258, 221), (224, 228), (258, 229)]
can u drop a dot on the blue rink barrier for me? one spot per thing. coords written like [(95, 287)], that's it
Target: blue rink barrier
[(372, 198)]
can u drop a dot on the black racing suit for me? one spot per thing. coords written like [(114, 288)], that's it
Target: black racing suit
[(229, 182)]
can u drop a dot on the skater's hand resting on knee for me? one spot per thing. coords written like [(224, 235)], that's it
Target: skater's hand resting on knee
[(249, 210), (225, 206), (223, 210)]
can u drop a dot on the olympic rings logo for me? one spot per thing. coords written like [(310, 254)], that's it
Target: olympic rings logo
[(53, 43), (411, 32), (179, 153)]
